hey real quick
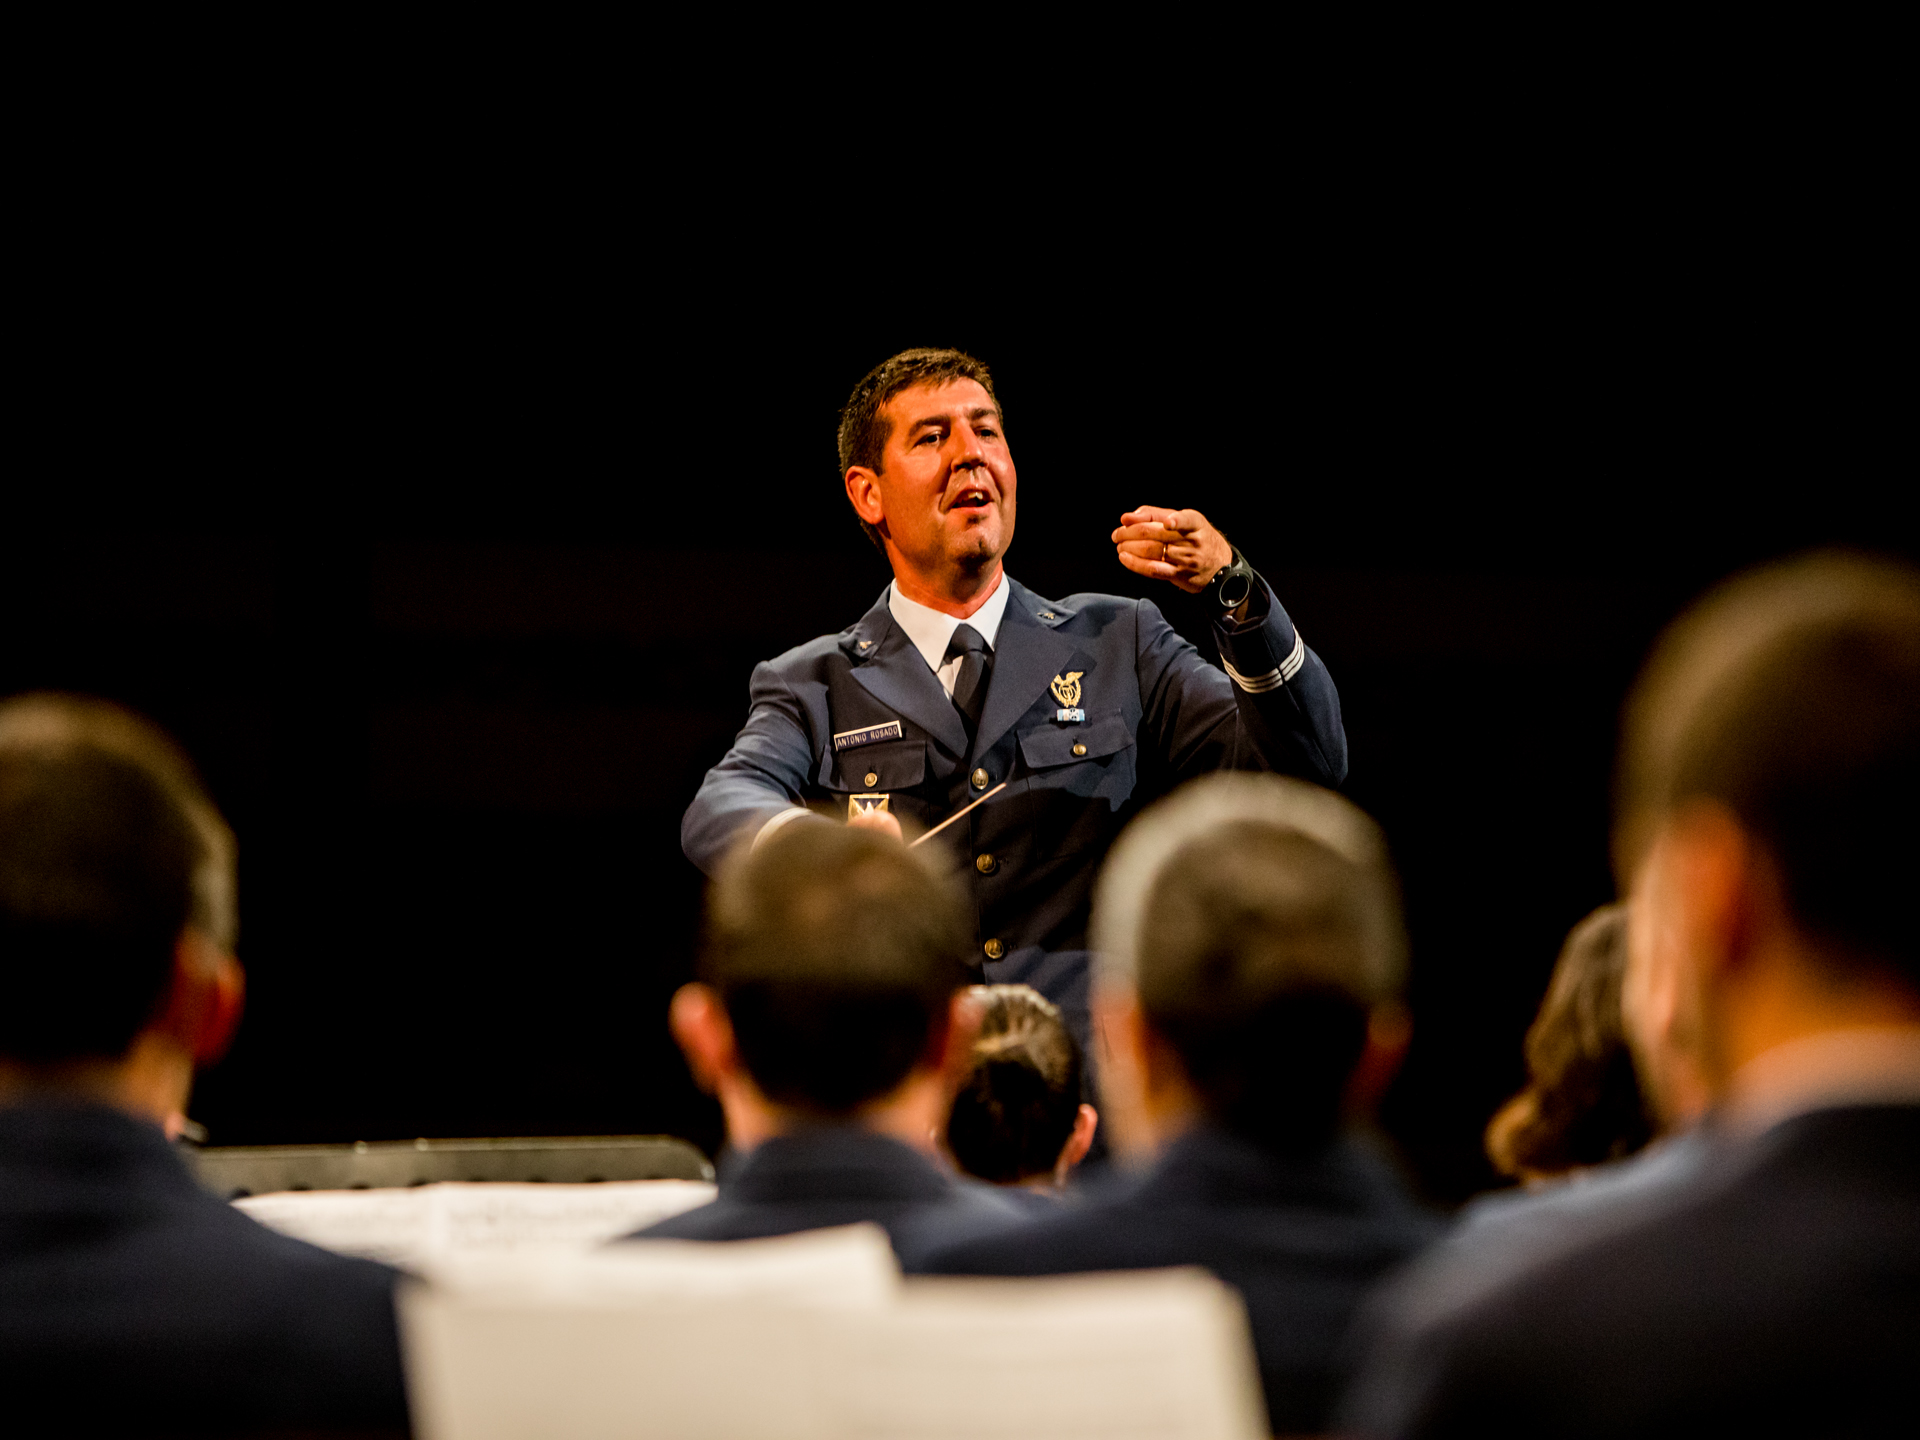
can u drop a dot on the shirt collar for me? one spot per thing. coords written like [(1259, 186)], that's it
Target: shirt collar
[(1865, 1066), (931, 631)]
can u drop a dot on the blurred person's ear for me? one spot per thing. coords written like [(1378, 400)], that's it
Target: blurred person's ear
[(1117, 1038), (1694, 901), (191, 1028), (950, 1046), (1389, 1033), (704, 1034), (201, 1009), (1078, 1143), (1143, 1085), (1661, 1030)]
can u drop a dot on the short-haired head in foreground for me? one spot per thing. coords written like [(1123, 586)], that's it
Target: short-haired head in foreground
[(1790, 698), (110, 851), (1257, 919), (864, 427), (1019, 1106), (836, 953), (1582, 1103)]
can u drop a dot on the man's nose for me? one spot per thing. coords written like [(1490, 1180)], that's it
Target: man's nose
[(968, 452)]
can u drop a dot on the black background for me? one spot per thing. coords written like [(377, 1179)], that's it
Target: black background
[(445, 535)]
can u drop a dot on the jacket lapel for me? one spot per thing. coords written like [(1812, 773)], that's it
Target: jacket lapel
[(1026, 656), (893, 672)]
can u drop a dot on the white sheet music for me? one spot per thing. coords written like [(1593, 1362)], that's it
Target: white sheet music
[(419, 1227), (662, 1337), (1152, 1355), (815, 1348)]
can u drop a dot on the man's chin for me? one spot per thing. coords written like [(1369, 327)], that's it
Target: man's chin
[(979, 556)]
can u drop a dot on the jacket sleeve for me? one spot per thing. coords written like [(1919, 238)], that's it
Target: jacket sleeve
[(1271, 706), (764, 774)]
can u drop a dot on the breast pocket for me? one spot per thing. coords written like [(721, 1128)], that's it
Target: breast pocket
[(1082, 774), (891, 766)]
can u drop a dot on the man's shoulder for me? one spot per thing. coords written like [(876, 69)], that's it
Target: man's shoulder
[(1776, 1279), (1109, 1234), (1762, 1227)]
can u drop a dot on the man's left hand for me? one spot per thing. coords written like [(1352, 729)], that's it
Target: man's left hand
[(1176, 545)]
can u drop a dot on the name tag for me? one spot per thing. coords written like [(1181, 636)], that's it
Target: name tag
[(872, 735)]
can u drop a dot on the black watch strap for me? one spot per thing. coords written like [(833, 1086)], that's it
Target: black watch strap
[(1232, 585)]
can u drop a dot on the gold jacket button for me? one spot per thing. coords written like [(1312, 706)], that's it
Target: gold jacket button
[(980, 778), (986, 864), (994, 949), (1078, 749), (873, 779)]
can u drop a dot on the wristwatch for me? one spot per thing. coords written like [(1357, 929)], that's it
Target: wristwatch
[(1232, 584)]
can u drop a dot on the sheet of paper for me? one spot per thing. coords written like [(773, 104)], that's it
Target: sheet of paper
[(811, 1349), (386, 1225), (1152, 1355), (661, 1337), (430, 1223)]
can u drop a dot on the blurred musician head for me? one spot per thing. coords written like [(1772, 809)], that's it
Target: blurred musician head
[(117, 912), (1252, 955), (827, 987), (1018, 1118), (1769, 779)]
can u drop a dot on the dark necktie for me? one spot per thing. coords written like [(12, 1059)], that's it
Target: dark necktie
[(970, 685)]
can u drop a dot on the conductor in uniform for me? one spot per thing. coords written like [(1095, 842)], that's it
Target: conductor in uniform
[(1062, 717)]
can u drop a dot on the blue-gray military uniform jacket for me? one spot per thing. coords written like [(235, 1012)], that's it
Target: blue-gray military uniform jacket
[(1095, 706)]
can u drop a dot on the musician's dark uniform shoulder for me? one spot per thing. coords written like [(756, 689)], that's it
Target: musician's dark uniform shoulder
[(1095, 706)]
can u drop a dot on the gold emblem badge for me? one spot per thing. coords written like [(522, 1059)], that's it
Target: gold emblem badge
[(867, 805), (1066, 688)]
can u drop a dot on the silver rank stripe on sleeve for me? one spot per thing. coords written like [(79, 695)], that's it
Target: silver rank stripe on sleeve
[(1273, 679)]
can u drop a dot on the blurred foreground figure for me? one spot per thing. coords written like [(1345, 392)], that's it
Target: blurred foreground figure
[(1582, 1104), (1018, 1120), (1768, 786), (131, 1301), (1251, 954), (1606, 1064), (829, 1020), (1607, 1076)]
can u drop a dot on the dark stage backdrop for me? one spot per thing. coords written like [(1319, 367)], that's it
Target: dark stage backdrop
[(454, 603)]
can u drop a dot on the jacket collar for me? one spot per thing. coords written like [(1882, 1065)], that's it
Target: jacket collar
[(831, 1162), (91, 1144), (1209, 1166), (891, 670)]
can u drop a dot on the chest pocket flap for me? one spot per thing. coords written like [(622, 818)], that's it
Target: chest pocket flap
[(894, 764), (1048, 745)]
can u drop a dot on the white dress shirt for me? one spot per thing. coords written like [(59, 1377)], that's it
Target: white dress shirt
[(931, 631)]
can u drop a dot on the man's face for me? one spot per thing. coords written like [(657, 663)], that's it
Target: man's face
[(945, 489)]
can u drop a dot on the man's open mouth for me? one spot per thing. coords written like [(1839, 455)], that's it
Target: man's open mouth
[(973, 497)]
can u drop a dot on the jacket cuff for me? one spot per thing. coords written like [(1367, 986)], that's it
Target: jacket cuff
[(1262, 655), (776, 820)]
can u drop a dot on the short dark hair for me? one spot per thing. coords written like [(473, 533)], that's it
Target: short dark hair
[(1249, 949), (864, 430), (109, 850), (1017, 1108), (1791, 695), (1257, 917), (1582, 1104), (836, 953)]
